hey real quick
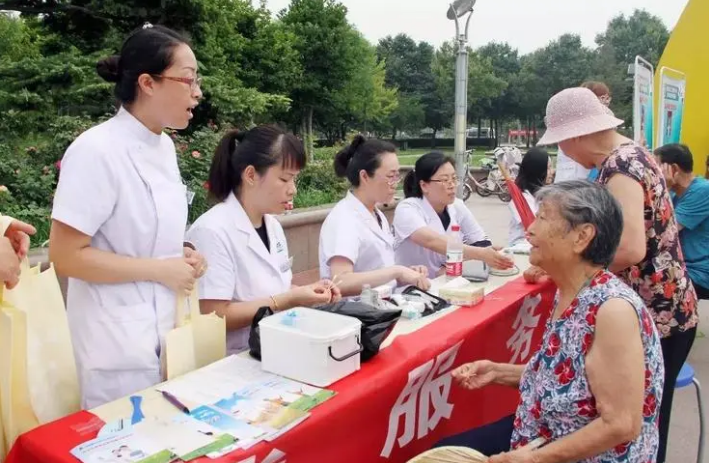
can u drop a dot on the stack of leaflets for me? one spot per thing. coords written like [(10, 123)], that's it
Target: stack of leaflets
[(240, 406)]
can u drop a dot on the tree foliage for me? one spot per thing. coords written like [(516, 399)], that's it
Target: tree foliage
[(306, 67)]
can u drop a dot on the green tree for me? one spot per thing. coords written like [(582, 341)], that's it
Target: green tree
[(17, 39), (625, 38), (323, 41), (506, 65), (483, 85), (408, 69), (365, 101), (638, 34)]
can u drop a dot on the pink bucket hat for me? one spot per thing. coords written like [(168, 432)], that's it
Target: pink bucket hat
[(575, 112)]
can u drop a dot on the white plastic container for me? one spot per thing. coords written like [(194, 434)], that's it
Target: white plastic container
[(311, 346)]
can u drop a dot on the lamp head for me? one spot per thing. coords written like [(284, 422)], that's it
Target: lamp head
[(459, 7)]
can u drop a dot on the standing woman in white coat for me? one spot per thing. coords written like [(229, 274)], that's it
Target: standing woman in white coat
[(429, 210), (252, 176), (119, 218), (356, 241)]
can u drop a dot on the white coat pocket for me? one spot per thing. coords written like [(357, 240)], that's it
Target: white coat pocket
[(123, 356)]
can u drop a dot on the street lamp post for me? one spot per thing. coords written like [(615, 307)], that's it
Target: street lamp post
[(457, 10)]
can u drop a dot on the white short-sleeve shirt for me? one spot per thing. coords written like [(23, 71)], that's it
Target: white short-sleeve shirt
[(240, 267), (413, 214), (516, 233), (568, 169), (352, 232)]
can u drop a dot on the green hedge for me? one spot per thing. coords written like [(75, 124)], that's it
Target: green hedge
[(29, 172)]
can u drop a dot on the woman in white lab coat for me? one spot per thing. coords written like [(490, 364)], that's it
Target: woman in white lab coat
[(356, 242), (533, 174), (422, 220), (252, 176), (119, 217)]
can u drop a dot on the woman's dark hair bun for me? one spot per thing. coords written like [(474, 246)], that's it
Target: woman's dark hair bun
[(357, 142), (343, 158), (107, 68), (240, 135)]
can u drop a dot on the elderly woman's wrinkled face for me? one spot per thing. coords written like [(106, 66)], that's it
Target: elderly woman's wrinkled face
[(554, 242)]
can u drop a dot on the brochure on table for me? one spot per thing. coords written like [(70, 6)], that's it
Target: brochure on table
[(233, 404)]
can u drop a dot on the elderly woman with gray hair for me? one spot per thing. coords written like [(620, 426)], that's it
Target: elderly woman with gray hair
[(649, 258), (599, 338)]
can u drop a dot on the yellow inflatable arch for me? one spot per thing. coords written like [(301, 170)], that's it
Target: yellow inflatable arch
[(688, 52)]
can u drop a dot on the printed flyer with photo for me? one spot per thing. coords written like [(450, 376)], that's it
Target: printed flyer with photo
[(122, 447)]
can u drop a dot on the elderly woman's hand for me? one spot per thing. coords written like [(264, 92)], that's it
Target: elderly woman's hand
[(535, 275), (475, 375)]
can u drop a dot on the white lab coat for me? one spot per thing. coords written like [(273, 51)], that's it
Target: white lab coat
[(240, 267), (568, 169), (120, 184), (516, 233), (352, 232), (413, 214)]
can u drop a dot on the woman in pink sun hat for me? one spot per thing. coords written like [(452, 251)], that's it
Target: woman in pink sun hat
[(649, 258)]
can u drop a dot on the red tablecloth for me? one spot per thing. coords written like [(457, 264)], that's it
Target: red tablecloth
[(399, 404)]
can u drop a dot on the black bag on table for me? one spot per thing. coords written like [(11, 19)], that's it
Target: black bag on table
[(376, 325), (255, 335)]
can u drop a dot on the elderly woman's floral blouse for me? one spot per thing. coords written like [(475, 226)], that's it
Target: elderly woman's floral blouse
[(661, 278), (556, 399)]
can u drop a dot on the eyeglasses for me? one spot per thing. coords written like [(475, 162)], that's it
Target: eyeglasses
[(193, 82), (446, 181), (393, 179)]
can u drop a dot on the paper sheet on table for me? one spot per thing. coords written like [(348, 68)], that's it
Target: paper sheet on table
[(122, 447), (222, 379), (227, 424), (183, 435)]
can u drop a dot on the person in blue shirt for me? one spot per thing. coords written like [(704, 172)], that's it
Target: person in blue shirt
[(691, 203)]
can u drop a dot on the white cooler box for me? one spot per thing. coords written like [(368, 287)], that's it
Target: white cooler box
[(311, 346)]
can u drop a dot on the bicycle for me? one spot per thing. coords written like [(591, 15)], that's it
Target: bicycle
[(492, 183)]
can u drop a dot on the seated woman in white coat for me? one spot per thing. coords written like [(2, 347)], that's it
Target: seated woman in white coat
[(119, 218), (533, 174), (356, 242), (429, 210), (252, 176)]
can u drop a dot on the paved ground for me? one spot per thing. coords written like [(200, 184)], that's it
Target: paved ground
[(494, 217)]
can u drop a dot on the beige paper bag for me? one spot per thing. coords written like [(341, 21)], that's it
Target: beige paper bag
[(52, 377), (196, 341), (17, 414)]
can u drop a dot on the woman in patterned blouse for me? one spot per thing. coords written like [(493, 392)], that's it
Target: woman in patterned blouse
[(649, 257), (599, 336)]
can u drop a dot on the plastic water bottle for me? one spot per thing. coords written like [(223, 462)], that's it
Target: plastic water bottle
[(454, 253), (367, 296)]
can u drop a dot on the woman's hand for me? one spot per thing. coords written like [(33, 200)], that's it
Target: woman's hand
[(196, 260), (177, 273), (515, 456), (497, 260), (19, 235), (535, 275), (335, 293), (9, 264), (312, 295), (416, 276), (475, 375)]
